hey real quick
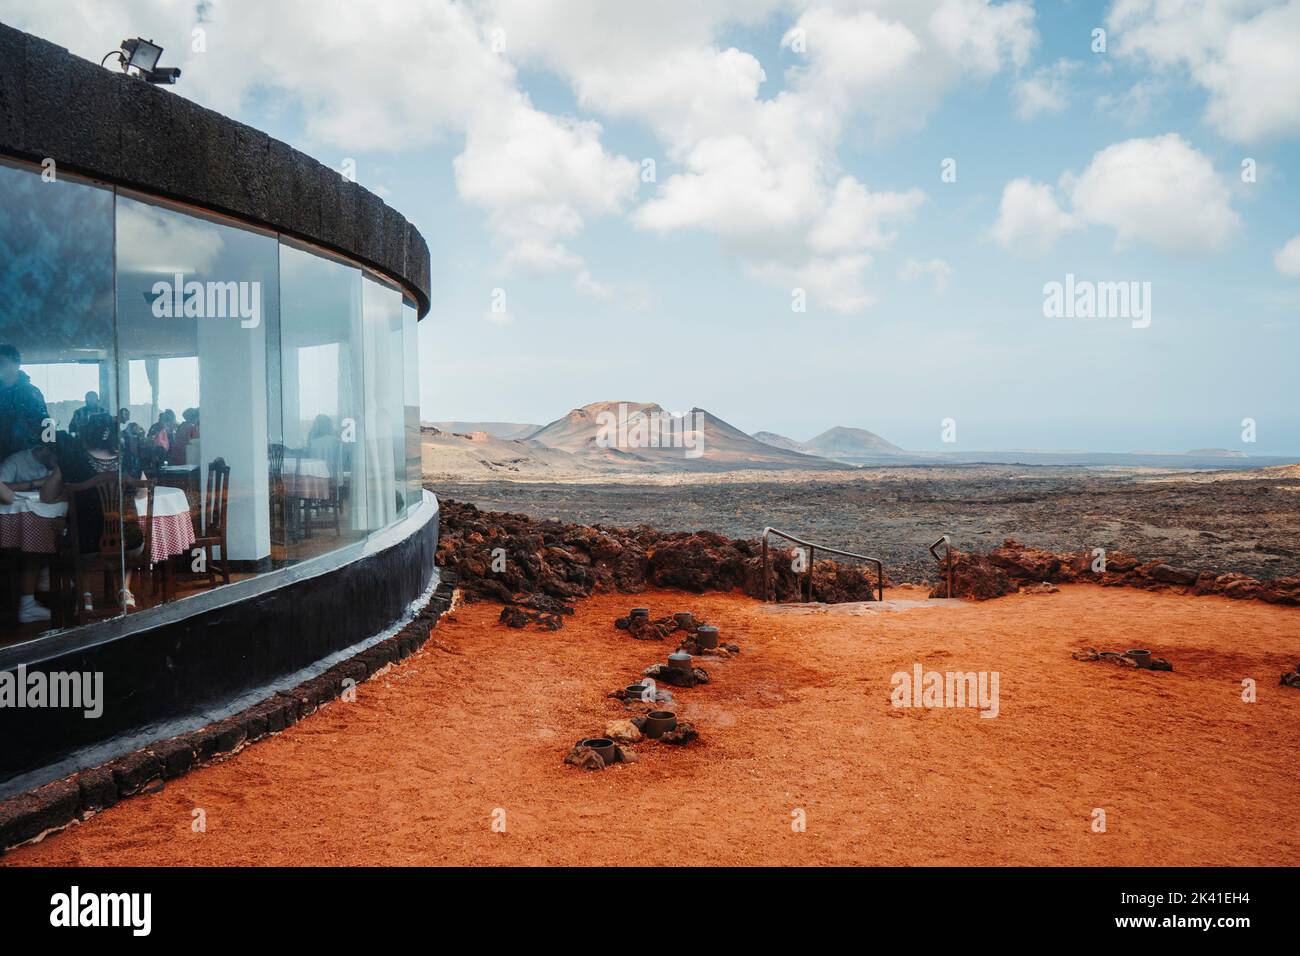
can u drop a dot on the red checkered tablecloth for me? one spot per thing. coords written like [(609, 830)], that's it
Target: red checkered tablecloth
[(172, 535), (30, 524), (173, 531)]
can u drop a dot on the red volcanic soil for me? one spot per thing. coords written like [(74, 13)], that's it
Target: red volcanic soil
[(411, 773)]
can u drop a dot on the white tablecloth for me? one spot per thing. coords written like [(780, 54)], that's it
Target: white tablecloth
[(173, 531), (30, 524), (306, 478), (167, 502), (26, 502)]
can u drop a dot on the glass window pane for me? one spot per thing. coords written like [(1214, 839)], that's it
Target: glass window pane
[(57, 378), (384, 427), (411, 386), (322, 405), (193, 299)]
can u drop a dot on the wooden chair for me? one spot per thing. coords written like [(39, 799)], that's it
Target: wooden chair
[(279, 511), (214, 521), (109, 558), (331, 506)]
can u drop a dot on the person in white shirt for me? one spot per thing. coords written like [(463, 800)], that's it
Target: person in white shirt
[(28, 470)]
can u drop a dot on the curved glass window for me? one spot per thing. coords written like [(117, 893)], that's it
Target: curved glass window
[(411, 383), (384, 423), (186, 401), (321, 366), (58, 384)]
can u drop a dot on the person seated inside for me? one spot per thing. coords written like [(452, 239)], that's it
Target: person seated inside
[(132, 442), (95, 452), (322, 443), (82, 414), (25, 470), (22, 406), (28, 471), (187, 432)]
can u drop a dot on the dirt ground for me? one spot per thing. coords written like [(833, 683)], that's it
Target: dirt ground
[(801, 720)]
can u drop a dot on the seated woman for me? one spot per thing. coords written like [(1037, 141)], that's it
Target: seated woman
[(322, 443), (28, 470), (95, 452)]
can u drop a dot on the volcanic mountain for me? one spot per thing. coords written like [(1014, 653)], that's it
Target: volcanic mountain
[(848, 444), (780, 441), (623, 434)]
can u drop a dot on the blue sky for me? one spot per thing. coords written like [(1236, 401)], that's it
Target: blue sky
[(679, 291)]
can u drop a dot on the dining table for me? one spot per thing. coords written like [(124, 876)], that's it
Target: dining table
[(306, 478), (31, 525), (173, 530)]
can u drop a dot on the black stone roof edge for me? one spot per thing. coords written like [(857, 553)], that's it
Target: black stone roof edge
[(109, 126)]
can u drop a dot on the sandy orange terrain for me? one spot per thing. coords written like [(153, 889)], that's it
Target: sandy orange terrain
[(411, 773)]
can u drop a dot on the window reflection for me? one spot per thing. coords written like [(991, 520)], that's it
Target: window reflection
[(411, 386), (56, 368), (192, 300), (384, 434), (313, 499), (184, 402)]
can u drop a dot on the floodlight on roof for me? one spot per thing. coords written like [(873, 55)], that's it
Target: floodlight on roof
[(142, 56)]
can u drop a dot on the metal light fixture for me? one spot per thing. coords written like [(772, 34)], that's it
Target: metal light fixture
[(142, 56)]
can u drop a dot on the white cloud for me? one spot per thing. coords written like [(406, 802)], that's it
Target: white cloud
[(856, 218), (1287, 259), (150, 242), (983, 37), (834, 66), (1242, 52), (539, 177), (1133, 106), (762, 173), (1046, 90), (938, 270), (1029, 218), (375, 78), (835, 282), (1159, 190)]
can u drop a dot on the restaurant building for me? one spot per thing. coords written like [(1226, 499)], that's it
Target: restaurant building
[(209, 409)]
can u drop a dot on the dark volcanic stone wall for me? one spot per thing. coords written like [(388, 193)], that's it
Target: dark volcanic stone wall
[(105, 124)]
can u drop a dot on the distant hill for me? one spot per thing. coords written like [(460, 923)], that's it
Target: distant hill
[(1214, 453), (721, 445), (567, 448), (780, 441), (506, 430), (476, 454), (850, 443), (729, 446), (578, 431)]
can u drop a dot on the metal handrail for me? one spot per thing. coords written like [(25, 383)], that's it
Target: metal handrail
[(945, 563), (812, 549)]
